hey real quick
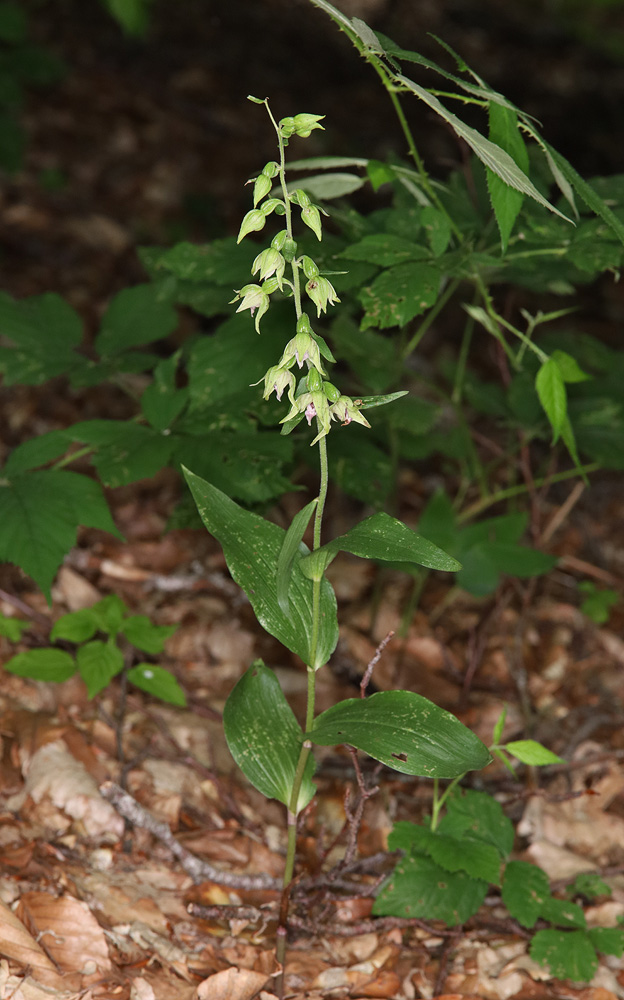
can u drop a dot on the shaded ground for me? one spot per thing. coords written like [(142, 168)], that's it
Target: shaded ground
[(154, 142)]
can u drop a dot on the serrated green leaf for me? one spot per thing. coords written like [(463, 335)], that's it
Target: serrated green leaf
[(399, 294), (35, 452), (42, 665), (562, 912), (524, 891), (608, 940), (386, 539), (142, 633), (569, 367), (77, 626), (125, 451), (288, 551), (585, 191), (479, 816), (162, 401), (134, 317), (455, 854), (264, 736), (419, 887), (506, 201), (405, 731), (531, 752), (550, 388), (491, 155), (98, 662), (12, 628), (385, 250), (158, 682), (589, 884), (110, 613), (568, 954), (40, 513), (251, 547)]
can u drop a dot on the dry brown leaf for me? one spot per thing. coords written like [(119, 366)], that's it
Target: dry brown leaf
[(55, 775), (17, 943), (68, 930), (14, 987), (232, 984)]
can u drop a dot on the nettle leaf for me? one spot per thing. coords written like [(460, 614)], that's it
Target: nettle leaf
[(550, 388), (568, 954), (491, 155), (385, 249), (45, 331), (562, 912), (125, 451), (531, 752), (438, 228), (264, 736), (251, 547), (477, 815), (42, 665), (456, 854), (40, 513), (12, 628), (419, 887), (524, 891), (405, 731), (158, 682), (608, 940), (162, 401), (98, 662), (135, 316), (35, 452), (506, 201), (385, 539), (585, 191), (360, 468), (220, 262), (77, 626), (399, 294), (110, 613), (142, 633), (244, 464)]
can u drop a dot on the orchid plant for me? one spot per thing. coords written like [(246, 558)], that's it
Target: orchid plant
[(286, 581)]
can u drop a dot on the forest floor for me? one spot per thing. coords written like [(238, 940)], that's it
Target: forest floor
[(149, 144)]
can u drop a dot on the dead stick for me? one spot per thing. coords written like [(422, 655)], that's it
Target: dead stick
[(199, 870)]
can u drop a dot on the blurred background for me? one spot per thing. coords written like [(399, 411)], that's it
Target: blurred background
[(125, 121)]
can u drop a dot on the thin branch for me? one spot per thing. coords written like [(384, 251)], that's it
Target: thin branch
[(368, 673)]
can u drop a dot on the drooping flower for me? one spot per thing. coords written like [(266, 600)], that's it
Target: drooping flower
[(345, 410), (276, 380), (302, 347), (322, 293), (253, 298)]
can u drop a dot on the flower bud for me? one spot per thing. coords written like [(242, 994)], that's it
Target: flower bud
[(304, 124), (252, 222), (287, 127), (299, 197), (312, 218), (262, 186), (271, 169), (332, 393), (289, 249), (315, 382), (273, 205), (309, 267)]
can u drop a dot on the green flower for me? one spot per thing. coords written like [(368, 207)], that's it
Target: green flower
[(302, 347), (322, 293), (345, 410), (277, 379), (253, 298), (312, 405), (270, 262)]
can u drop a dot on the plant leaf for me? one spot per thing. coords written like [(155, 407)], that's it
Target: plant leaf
[(568, 954), (134, 317), (264, 736), (142, 633), (40, 513), (386, 539), (525, 889), (419, 887), (506, 201), (288, 551), (495, 158), (98, 662), (550, 388), (42, 665), (157, 681), (405, 731), (531, 752), (251, 547)]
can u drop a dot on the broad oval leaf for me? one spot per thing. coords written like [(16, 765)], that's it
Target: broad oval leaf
[(264, 737), (386, 539), (405, 731), (419, 887), (42, 665), (252, 547), (158, 682)]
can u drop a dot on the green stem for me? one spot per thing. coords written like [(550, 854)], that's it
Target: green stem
[(513, 491), (431, 315), (439, 800)]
